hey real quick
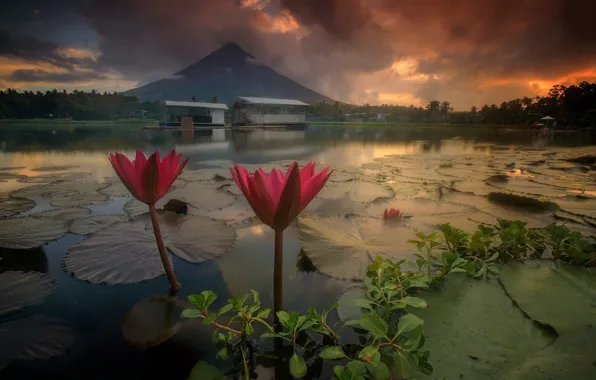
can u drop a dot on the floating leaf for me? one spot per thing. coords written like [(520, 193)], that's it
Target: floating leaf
[(335, 207), (475, 331), (203, 196), (152, 321), (91, 224), (116, 189), (13, 206), (30, 232), (358, 191), (526, 186), (205, 371), (341, 176), (238, 214), (210, 174), (33, 338), (58, 190), (54, 177), (21, 289), (4, 175), (65, 213), (127, 252), (557, 294), (54, 168), (79, 199), (215, 164), (5, 168), (347, 309), (578, 206), (344, 247)]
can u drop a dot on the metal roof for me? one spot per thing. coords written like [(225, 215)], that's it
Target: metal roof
[(173, 103), (289, 102)]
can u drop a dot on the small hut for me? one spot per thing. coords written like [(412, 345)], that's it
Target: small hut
[(549, 122), (251, 111)]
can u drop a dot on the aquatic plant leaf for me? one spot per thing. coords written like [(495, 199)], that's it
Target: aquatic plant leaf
[(12, 206), (341, 176), (571, 356), (116, 189), (208, 174), (34, 338), (6, 168), (556, 294), (334, 207), (69, 214), (358, 191), (347, 308), (578, 205), (126, 252), (58, 190), (197, 239), (344, 247), (238, 213), (79, 199), (4, 176), (152, 321), (475, 331), (526, 186), (122, 253), (203, 196), (54, 168), (92, 224), (21, 289), (205, 371), (54, 177), (30, 232), (215, 164)]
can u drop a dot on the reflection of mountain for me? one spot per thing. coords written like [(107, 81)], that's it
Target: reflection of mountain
[(226, 73)]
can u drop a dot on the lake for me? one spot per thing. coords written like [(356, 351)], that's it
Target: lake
[(91, 318)]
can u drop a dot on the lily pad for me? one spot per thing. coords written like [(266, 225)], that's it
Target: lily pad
[(236, 214), (92, 224), (578, 205), (556, 294), (215, 164), (30, 232), (58, 190), (334, 207), (81, 199), (120, 254), (152, 321), (344, 247), (341, 176), (4, 176), (65, 213), (209, 174), (55, 177), (13, 206), (474, 331), (34, 338), (126, 252), (571, 356), (116, 189), (6, 168), (203, 196), (54, 168), (21, 289), (358, 191), (526, 186), (347, 309)]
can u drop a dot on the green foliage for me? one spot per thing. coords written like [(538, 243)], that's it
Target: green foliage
[(391, 335)]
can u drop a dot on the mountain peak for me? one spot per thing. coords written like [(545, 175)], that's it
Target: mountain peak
[(229, 55)]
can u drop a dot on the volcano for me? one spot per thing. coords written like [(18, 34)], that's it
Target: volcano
[(226, 73)]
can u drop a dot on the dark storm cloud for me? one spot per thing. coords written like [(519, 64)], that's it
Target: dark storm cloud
[(44, 76), (31, 49)]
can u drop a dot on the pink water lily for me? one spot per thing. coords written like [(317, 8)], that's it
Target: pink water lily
[(148, 179), (278, 198), (392, 214)]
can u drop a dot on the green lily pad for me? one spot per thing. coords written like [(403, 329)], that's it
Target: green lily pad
[(21, 289), (347, 309), (54, 168), (571, 356), (334, 207), (556, 294), (54, 177), (344, 247), (152, 321), (578, 206), (30, 232), (204, 371), (126, 252), (92, 224), (203, 196), (474, 331), (358, 191), (33, 338), (13, 206)]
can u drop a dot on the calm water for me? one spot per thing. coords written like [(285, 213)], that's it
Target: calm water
[(95, 312)]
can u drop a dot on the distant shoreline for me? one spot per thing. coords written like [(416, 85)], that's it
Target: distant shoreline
[(66, 123)]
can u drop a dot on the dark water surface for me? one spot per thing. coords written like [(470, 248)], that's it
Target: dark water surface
[(95, 312)]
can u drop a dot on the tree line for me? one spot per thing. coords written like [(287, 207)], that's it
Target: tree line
[(572, 106), (76, 105)]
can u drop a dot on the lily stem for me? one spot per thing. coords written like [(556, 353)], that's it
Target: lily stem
[(165, 260), (278, 274)]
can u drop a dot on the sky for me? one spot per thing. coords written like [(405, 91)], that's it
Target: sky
[(403, 52)]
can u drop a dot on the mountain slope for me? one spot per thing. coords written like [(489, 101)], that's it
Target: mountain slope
[(227, 73)]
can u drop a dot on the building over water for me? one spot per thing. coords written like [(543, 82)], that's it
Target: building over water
[(202, 114), (251, 111)]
